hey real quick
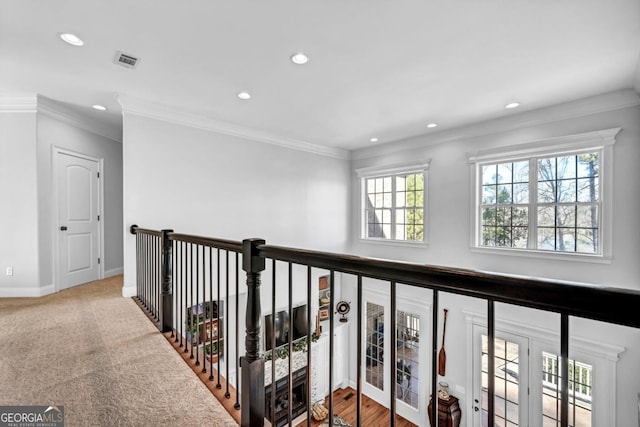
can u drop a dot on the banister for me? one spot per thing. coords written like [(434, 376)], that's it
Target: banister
[(608, 304)]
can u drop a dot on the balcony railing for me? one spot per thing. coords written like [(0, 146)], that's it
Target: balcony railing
[(190, 285)]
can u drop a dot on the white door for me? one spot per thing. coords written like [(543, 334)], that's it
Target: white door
[(78, 227), (511, 380), (374, 349)]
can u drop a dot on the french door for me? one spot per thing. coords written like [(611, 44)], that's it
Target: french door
[(511, 379), (410, 367)]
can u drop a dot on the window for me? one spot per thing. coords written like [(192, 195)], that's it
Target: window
[(580, 392), (394, 200), (546, 197)]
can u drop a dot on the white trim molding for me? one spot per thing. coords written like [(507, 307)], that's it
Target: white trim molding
[(393, 169), (18, 104), (568, 143), (600, 140), (62, 113), (611, 101), (603, 357), (156, 111), (28, 292)]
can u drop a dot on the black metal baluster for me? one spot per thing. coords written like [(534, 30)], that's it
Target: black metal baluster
[(174, 301), (309, 367), (206, 320), (394, 356), (138, 290), (154, 277), (191, 309), (182, 301), (359, 356), (290, 347), (434, 359), (211, 377), (564, 369), (226, 324), (237, 404), (183, 285), (153, 282), (491, 329), (218, 385), (273, 342), (198, 308), (145, 275), (332, 291)]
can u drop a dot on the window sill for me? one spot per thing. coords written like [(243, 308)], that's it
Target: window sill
[(405, 243), (557, 256)]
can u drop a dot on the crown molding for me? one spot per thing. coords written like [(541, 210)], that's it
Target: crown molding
[(173, 115), (19, 104), (583, 107), (60, 112)]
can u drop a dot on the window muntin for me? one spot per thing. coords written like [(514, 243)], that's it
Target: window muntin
[(547, 203), (394, 207), (580, 392)]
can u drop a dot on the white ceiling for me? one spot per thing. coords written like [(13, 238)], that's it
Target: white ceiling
[(378, 68)]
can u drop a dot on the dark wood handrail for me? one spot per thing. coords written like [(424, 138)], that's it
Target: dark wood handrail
[(614, 305), (229, 245), (608, 304)]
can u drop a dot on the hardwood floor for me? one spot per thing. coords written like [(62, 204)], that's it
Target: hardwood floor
[(373, 414)]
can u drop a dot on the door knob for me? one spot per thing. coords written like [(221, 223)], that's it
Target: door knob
[(63, 228)]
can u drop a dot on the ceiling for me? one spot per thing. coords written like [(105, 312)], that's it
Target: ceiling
[(377, 68)]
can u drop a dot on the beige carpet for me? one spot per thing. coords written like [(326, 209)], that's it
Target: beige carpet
[(96, 353)]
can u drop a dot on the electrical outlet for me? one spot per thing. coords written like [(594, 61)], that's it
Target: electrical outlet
[(9, 271)]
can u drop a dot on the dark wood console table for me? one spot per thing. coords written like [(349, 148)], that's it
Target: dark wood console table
[(449, 412)]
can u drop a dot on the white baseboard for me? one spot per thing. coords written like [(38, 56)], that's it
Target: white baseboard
[(26, 292), (114, 272), (129, 291)]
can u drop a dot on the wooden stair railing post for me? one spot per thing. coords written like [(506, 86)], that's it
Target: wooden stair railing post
[(252, 387), (166, 313)]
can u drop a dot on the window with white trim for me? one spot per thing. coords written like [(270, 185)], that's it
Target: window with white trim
[(394, 203), (545, 197)]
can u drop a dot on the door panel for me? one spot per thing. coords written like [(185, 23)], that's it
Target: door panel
[(511, 380), (78, 230)]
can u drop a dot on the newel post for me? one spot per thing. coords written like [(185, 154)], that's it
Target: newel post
[(252, 387), (166, 313)]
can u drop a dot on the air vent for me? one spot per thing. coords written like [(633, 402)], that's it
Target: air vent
[(126, 60)]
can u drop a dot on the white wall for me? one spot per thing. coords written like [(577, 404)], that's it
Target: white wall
[(26, 141), (202, 182), (18, 204), (448, 222), (54, 133)]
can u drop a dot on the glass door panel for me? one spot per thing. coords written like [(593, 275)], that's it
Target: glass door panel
[(374, 372)]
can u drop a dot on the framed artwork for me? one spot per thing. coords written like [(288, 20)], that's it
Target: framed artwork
[(323, 313)]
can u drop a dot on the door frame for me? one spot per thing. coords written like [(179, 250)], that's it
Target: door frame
[(381, 296), (524, 362), (56, 151)]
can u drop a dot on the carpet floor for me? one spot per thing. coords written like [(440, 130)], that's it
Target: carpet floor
[(96, 353)]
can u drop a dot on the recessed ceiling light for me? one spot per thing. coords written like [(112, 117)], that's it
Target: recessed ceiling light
[(299, 58), (512, 105), (432, 125), (99, 107), (72, 39), (244, 95), (374, 140)]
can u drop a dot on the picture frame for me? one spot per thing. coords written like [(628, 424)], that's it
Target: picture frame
[(323, 314)]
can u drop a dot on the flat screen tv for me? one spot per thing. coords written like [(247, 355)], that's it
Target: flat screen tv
[(284, 327)]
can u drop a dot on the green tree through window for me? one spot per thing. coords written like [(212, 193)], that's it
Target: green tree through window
[(394, 207)]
